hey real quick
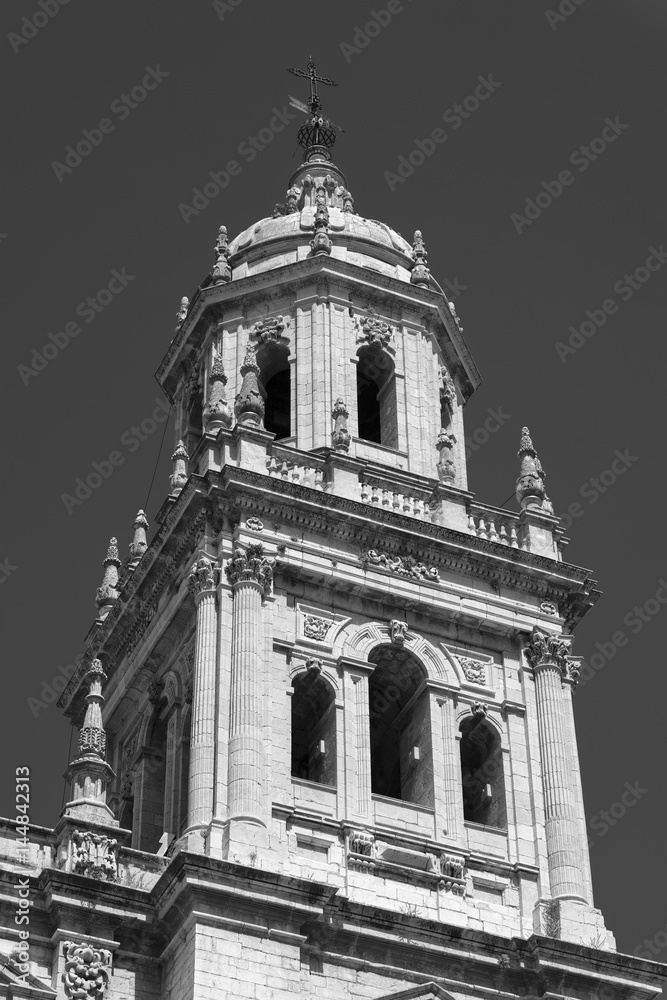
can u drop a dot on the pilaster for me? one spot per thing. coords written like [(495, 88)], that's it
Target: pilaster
[(358, 738)]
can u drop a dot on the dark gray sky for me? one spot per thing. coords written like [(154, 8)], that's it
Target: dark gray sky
[(553, 82)]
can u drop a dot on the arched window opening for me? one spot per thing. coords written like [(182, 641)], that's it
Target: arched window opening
[(277, 404), (184, 774), (151, 772), (126, 811), (377, 416), (400, 727), (313, 730), (482, 773)]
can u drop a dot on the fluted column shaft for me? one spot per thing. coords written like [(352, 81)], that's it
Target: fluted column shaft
[(203, 581), (562, 828), (246, 750), (449, 801)]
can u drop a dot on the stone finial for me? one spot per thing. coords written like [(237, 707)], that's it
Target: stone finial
[(447, 388), (420, 274), (87, 971), (92, 737), (250, 565), (222, 272), (321, 241), (179, 475), (107, 595), (530, 489), (249, 405), (182, 312), (217, 412), (139, 544), (341, 436), (446, 468)]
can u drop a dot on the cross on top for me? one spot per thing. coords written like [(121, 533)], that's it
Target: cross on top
[(310, 74)]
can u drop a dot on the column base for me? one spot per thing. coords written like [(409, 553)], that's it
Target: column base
[(572, 920)]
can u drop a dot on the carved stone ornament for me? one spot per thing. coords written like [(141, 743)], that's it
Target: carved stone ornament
[(249, 403), (92, 737), (398, 631), (455, 316), (321, 241), (87, 971), (446, 468), (473, 670), (217, 412), (548, 650), (270, 331), (420, 274), (548, 608), (314, 665), (94, 855), (572, 670), (179, 475), (316, 628), (374, 331), (341, 436), (182, 312), (530, 489), (139, 544), (107, 594), (451, 866), (360, 842), (222, 272), (254, 524), (204, 575), (447, 388), (479, 711), (401, 565), (251, 565)]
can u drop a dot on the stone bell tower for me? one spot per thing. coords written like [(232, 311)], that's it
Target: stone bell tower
[(328, 743)]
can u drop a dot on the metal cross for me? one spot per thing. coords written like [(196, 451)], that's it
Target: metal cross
[(314, 102)]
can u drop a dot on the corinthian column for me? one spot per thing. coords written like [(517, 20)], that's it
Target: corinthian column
[(548, 657), (250, 574), (203, 579)]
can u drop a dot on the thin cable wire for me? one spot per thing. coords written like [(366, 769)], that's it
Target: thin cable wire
[(157, 461)]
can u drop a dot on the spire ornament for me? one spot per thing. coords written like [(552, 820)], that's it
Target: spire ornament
[(179, 475), (92, 737), (446, 468), (217, 412), (318, 134), (107, 595), (530, 489), (182, 312), (341, 436), (321, 241), (139, 544), (420, 274), (249, 405), (222, 272)]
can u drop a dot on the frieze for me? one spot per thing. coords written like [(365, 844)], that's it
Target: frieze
[(401, 565), (316, 628), (474, 671)]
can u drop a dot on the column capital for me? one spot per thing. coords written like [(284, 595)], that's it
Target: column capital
[(204, 576), (548, 649), (251, 566)]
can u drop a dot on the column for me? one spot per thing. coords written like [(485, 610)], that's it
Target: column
[(250, 575), (357, 739), (448, 786), (548, 657), (203, 580)]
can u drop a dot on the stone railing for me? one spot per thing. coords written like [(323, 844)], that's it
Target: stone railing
[(391, 497), (285, 465), (494, 525)]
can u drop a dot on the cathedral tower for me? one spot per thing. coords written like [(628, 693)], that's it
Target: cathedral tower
[(327, 742)]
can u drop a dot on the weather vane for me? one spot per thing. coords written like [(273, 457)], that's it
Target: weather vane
[(318, 131)]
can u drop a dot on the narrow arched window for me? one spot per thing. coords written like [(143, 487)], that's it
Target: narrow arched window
[(376, 398), (151, 773), (275, 383), (482, 773), (313, 729), (184, 772), (400, 727)]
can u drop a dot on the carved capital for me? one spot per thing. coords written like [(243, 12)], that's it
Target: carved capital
[(251, 565), (546, 649), (87, 971), (204, 575)]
